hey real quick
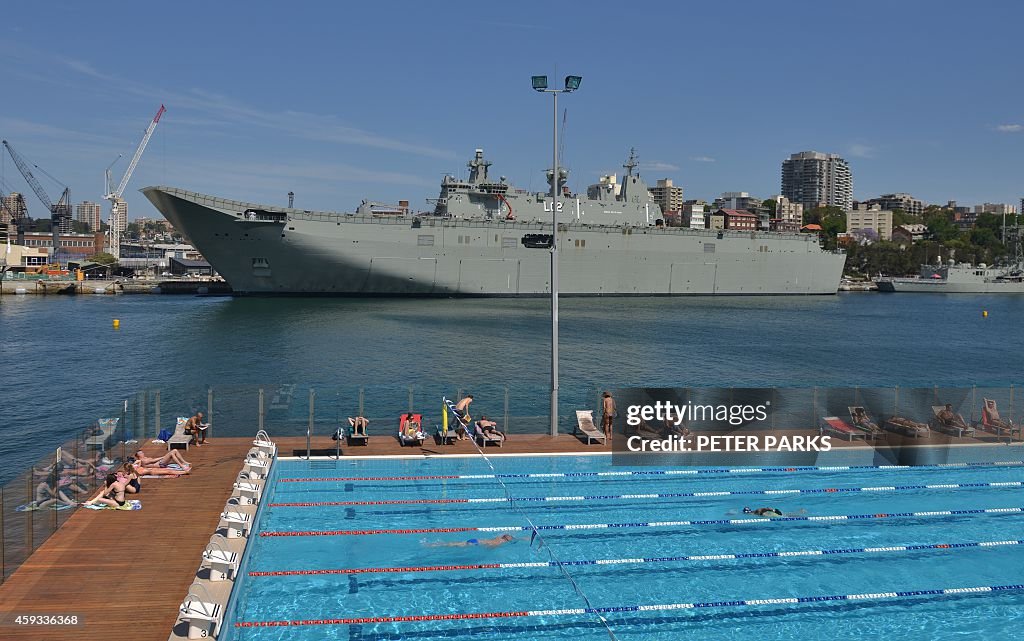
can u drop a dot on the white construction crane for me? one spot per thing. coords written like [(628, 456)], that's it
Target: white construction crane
[(114, 195)]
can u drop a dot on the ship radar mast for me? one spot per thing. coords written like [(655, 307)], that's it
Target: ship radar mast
[(632, 163), (478, 168)]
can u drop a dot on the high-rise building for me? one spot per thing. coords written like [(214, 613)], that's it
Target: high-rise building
[(67, 217), (89, 213), (668, 196), (815, 179), (906, 202), (118, 214), (15, 204)]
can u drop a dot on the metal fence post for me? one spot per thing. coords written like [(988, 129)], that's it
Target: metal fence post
[(361, 402), (209, 409), (3, 539), (410, 400), (261, 411), (144, 398), (156, 411), (309, 428), (506, 409), (30, 527)]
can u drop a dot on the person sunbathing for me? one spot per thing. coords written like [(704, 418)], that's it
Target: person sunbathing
[(863, 421), (950, 418), (359, 424), (412, 428), (143, 470), (489, 543), (112, 494), (130, 478), (907, 423), (490, 428), (55, 490), (163, 461)]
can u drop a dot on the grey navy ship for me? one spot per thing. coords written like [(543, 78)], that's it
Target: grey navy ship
[(486, 238), (959, 278)]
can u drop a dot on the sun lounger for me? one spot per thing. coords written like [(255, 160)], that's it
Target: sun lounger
[(414, 435), (585, 424), (354, 437), (838, 427), (957, 426), (483, 439), (906, 426), (105, 429), (991, 421), (179, 437)]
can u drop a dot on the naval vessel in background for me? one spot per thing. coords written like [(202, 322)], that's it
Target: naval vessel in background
[(487, 238)]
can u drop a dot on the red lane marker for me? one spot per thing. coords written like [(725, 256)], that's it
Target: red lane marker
[(396, 502), (428, 530), (355, 621), (371, 478), (414, 568)]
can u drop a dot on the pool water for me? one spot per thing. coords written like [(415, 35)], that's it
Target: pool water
[(308, 577)]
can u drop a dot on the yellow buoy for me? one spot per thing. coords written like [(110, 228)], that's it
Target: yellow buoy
[(984, 313), (117, 323)]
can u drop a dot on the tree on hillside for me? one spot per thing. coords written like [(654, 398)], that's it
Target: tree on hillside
[(103, 258), (771, 205)]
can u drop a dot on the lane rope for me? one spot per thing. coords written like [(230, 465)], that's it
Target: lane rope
[(635, 561), (652, 524), (623, 473), (872, 596), (665, 495)]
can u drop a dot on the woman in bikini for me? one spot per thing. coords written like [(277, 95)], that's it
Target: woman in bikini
[(143, 470), (112, 494)]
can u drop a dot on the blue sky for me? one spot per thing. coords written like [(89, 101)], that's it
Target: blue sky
[(344, 101)]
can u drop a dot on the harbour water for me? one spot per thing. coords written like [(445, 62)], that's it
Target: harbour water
[(64, 365)]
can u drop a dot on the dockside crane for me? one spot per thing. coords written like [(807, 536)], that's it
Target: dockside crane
[(58, 212), (114, 195)]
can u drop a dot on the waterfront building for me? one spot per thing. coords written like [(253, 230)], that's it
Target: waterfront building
[(72, 245), (909, 233), (669, 197), (870, 217), (741, 200), (902, 201), (15, 204), (693, 214), (738, 219), (815, 179), (789, 216), (964, 220), (89, 213)]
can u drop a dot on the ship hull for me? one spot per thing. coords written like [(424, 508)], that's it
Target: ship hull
[(926, 286), (313, 253)]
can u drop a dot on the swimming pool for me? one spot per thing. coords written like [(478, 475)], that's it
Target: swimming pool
[(349, 550)]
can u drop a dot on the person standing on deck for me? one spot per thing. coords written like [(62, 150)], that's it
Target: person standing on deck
[(608, 407)]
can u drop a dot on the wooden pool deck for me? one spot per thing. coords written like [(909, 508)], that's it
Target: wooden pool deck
[(126, 573)]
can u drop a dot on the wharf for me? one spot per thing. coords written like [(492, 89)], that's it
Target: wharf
[(23, 287), (127, 572)]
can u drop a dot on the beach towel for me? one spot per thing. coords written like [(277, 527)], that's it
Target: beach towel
[(134, 503)]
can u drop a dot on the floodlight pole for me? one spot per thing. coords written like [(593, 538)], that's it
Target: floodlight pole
[(554, 241)]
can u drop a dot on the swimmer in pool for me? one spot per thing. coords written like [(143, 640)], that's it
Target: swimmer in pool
[(490, 543), (767, 512)]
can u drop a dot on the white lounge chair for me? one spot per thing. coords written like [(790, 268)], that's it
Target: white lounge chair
[(107, 427), (179, 437), (585, 424)]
